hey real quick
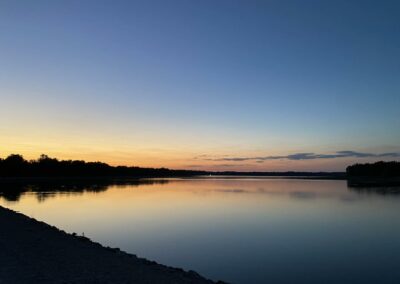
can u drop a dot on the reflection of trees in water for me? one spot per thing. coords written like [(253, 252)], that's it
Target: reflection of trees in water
[(381, 190), (12, 191)]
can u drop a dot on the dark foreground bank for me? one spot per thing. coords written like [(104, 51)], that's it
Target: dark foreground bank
[(35, 252)]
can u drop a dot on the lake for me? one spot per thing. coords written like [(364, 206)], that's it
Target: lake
[(240, 230)]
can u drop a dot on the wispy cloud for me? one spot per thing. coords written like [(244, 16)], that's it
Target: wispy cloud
[(207, 166), (307, 156)]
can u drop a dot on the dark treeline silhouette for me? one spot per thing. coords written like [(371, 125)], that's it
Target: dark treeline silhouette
[(16, 166), (378, 169), (18, 176), (319, 175), (376, 174)]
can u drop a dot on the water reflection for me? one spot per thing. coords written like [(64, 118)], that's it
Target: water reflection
[(12, 191), (238, 230), (303, 195), (381, 190)]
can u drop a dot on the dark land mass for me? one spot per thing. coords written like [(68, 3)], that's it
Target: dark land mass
[(290, 174), (15, 168), (375, 174), (34, 252)]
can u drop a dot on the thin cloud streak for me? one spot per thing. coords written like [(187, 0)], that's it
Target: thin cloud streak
[(308, 156), (206, 166)]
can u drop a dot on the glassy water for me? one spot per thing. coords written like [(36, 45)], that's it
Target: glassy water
[(239, 230)]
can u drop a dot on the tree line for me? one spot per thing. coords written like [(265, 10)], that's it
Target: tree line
[(16, 166), (378, 169)]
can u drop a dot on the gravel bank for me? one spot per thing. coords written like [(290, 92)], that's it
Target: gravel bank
[(35, 252)]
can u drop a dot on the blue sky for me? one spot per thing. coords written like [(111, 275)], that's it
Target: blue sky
[(164, 82)]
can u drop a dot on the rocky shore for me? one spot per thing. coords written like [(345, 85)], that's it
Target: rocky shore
[(35, 252)]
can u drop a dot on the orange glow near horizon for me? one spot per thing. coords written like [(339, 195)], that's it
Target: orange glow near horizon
[(203, 151), (174, 159)]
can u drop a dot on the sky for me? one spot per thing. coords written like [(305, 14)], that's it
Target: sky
[(210, 85)]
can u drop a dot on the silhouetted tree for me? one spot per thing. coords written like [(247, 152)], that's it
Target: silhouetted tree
[(14, 165)]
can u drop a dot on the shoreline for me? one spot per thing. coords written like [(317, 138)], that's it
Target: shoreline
[(353, 181), (127, 179), (36, 252)]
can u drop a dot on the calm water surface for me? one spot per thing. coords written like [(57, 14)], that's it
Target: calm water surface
[(238, 230)]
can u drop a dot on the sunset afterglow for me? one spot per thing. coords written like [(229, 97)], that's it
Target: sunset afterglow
[(154, 84)]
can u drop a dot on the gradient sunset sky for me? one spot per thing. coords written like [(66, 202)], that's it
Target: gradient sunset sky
[(213, 85)]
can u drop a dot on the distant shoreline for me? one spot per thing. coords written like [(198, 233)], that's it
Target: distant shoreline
[(294, 175), (16, 169), (352, 181)]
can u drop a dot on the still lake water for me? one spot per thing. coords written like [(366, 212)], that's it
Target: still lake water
[(239, 230)]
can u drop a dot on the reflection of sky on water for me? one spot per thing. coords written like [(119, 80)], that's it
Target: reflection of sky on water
[(238, 230)]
